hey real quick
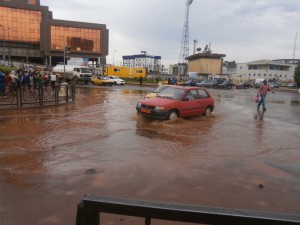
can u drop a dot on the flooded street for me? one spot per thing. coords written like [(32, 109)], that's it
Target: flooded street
[(50, 158)]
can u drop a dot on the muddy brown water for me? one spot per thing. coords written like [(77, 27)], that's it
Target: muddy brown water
[(238, 158)]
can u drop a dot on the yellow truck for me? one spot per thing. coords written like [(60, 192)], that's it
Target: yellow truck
[(124, 72)]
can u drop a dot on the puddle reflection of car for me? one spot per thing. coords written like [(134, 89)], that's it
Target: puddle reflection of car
[(158, 90), (100, 80), (177, 101), (117, 80)]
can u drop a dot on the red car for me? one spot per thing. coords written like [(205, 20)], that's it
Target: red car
[(177, 101)]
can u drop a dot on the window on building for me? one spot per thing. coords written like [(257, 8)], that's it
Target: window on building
[(79, 39)]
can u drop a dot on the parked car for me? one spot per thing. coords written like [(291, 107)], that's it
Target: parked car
[(117, 80), (291, 85), (274, 85), (226, 85), (191, 83), (158, 90), (199, 84), (177, 101), (243, 85), (216, 83), (100, 80), (207, 84)]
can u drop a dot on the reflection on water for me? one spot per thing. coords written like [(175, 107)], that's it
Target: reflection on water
[(51, 157)]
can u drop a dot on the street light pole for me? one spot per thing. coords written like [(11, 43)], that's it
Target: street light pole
[(114, 57)]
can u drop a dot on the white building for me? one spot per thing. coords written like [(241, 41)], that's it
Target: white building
[(282, 69), (152, 63)]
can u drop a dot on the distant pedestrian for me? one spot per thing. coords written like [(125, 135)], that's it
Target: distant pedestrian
[(53, 80), (169, 80), (8, 81), (141, 80), (262, 92), (2, 85)]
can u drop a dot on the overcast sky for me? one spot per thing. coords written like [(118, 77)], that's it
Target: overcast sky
[(244, 30)]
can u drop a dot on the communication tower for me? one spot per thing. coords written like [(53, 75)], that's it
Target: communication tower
[(184, 49)]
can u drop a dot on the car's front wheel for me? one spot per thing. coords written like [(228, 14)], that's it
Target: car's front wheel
[(207, 111), (173, 115)]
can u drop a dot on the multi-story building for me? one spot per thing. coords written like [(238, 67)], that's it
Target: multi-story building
[(282, 69), (30, 34), (152, 63)]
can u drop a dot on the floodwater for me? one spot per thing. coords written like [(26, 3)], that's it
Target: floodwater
[(50, 158)]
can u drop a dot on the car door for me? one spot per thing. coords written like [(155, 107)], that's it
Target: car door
[(191, 104), (204, 99)]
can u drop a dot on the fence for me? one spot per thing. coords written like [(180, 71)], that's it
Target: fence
[(22, 96), (89, 209)]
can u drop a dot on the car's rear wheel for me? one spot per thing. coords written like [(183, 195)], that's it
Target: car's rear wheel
[(173, 115), (207, 111)]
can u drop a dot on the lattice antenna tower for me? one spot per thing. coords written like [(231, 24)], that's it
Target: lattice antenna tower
[(184, 49)]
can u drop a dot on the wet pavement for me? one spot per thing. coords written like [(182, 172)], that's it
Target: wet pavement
[(238, 158)]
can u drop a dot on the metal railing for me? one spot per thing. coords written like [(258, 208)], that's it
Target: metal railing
[(89, 209), (21, 96)]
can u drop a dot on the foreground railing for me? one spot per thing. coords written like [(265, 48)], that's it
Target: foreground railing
[(90, 208), (21, 96)]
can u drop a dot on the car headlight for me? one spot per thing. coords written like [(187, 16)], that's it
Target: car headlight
[(139, 104), (159, 108)]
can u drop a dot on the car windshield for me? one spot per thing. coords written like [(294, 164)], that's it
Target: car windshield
[(172, 93), (86, 70), (160, 89)]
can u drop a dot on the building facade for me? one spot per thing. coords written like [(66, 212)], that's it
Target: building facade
[(282, 69), (30, 34), (152, 63), (206, 63)]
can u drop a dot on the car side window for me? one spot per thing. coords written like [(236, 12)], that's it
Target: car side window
[(203, 94), (192, 95)]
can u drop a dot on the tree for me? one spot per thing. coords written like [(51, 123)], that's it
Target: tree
[(297, 76)]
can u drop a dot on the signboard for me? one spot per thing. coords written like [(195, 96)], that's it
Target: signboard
[(78, 61)]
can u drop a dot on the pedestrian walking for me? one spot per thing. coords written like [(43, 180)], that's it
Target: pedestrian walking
[(262, 93), (141, 80)]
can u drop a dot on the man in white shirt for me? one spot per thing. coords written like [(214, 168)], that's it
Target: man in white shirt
[(53, 80)]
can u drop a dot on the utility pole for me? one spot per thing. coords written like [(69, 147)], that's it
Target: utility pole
[(184, 49)]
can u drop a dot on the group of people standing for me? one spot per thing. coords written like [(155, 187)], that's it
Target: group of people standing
[(30, 79)]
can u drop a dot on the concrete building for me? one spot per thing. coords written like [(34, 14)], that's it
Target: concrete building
[(29, 33), (282, 69), (206, 63), (152, 63)]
